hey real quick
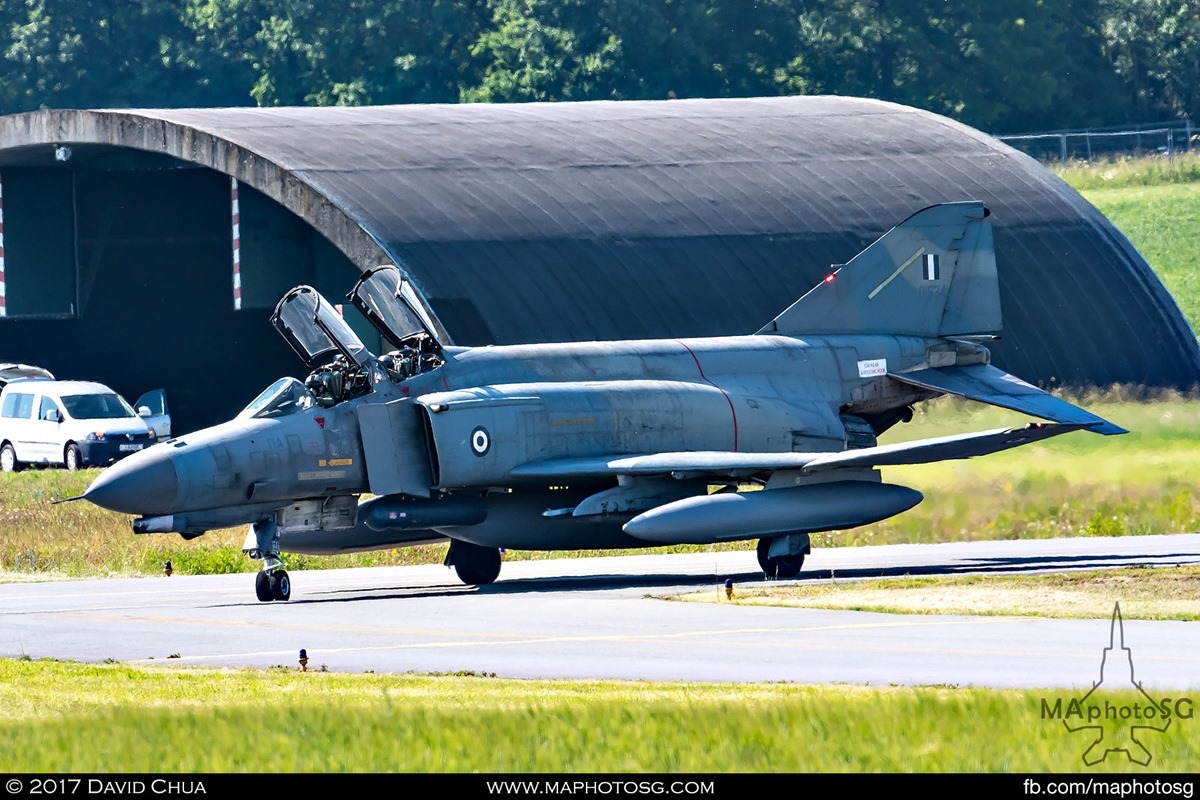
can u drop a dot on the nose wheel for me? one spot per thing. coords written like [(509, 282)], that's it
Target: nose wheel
[(274, 585), (273, 582)]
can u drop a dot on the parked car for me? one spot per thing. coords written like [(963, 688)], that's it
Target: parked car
[(74, 424), (14, 372)]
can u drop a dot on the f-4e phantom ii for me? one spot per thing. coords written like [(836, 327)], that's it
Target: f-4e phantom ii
[(601, 444)]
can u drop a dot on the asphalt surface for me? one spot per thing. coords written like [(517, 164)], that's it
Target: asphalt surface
[(604, 618)]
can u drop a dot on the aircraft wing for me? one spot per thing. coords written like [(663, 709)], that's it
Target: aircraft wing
[(996, 387), (689, 464)]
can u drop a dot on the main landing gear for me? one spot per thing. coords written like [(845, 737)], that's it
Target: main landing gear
[(476, 565), (783, 556), (272, 582)]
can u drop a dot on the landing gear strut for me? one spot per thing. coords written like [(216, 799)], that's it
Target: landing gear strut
[(273, 582), (783, 556), (476, 565)]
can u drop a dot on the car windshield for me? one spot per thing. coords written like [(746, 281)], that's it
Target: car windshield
[(284, 396), (97, 406)]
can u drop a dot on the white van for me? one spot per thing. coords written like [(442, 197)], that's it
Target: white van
[(74, 424)]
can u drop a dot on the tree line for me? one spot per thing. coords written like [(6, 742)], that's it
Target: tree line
[(1000, 66)]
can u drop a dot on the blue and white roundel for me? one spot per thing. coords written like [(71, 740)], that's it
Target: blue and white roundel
[(481, 442)]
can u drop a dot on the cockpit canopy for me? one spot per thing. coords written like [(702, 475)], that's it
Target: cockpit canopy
[(283, 397), (389, 301), (315, 330)]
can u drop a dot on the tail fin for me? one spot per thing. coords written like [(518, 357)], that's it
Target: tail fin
[(932, 275)]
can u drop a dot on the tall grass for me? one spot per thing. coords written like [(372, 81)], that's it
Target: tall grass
[(1125, 172)]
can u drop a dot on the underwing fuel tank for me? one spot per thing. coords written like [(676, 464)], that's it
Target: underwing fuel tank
[(746, 515)]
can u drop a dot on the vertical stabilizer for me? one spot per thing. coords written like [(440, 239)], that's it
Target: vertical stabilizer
[(932, 275)]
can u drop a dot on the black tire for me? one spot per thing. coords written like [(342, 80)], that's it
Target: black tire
[(73, 457), (262, 587), (281, 585), (779, 566), (788, 566), (476, 565), (8, 459), (764, 546)]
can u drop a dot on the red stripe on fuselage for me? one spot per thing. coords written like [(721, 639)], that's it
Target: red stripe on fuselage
[(732, 410)]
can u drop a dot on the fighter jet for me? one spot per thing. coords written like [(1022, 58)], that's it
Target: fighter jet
[(769, 436)]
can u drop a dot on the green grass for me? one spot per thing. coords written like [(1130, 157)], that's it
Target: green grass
[(1163, 223), (1144, 593), (1155, 202), (66, 717)]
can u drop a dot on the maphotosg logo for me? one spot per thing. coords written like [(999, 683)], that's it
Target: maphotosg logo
[(1117, 723)]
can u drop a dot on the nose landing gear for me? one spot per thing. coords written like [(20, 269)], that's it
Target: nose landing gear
[(272, 582), (273, 585)]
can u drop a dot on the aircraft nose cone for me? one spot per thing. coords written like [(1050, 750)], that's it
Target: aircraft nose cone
[(145, 483)]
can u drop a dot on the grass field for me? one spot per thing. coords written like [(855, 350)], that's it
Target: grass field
[(1155, 202), (1144, 593), (65, 717)]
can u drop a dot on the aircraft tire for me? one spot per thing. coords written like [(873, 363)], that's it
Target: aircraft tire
[(281, 585), (262, 587), (779, 566), (788, 566), (476, 565)]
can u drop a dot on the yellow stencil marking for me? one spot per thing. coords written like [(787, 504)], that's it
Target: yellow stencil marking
[(892, 277)]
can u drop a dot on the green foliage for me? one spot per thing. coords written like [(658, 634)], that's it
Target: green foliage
[(298, 52), (1154, 48), (1014, 65), (1017, 65)]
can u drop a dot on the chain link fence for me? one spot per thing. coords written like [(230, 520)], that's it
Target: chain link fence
[(1166, 138)]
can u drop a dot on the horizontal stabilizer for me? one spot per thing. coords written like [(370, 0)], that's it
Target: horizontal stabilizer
[(945, 448), (923, 451), (986, 384)]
